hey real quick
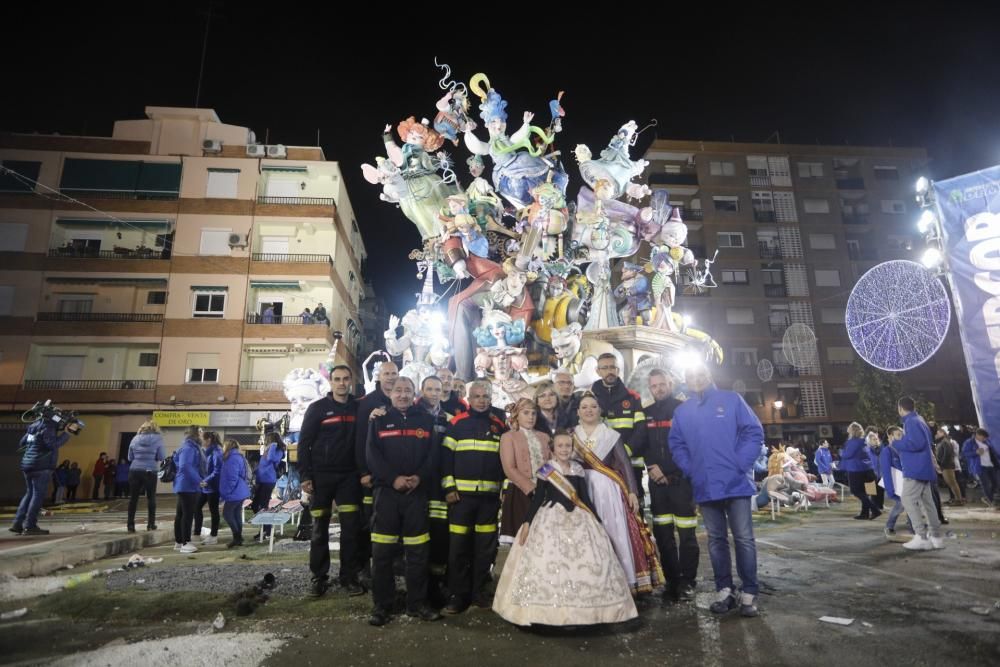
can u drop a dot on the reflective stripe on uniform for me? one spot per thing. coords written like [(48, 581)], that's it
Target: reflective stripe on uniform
[(447, 482), (638, 416), (458, 530), (381, 538), (474, 445), (486, 528), (477, 485), (686, 521), (449, 442), (638, 462), (620, 422), (368, 500), (416, 539), (348, 508), (663, 519), (320, 513)]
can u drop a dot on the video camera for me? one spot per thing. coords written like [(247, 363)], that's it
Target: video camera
[(67, 419)]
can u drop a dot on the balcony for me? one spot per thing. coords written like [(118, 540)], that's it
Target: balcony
[(682, 178), (775, 291), (760, 215), (258, 318), (850, 183), (692, 214), (118, 252), (90, 385), (759, 178), (261, 385), (855, 219), (279, 258), (296, 201), (99, 317), (778, 330), (769, 251), (786, 370), (120, 194)]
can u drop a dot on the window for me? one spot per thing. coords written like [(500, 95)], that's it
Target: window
[(744, 356), (899, 242), (730, 239), (209, 302), (222, 183), (6, 299), (893, 206), (735, 277), (827, 278), (840, 356), (726, 203), (13, 236), (139, 180), (29, 172), (147, 359), (718, 168), (845, 397), (739, 315), (822, 242), (784, 207), (215, 242), (772, 276), (779, 171), (810, 170), (886, 173), (816, 205), (156, 298), (831, 315), (202, 367), (75, 303)]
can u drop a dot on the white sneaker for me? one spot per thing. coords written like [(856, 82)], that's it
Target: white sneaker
[(188, 548), (177, 546), (209, 540), (918, 543), (936, 542)]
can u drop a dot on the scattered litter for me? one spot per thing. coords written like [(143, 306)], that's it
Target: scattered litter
[(982, 611), (140, 581), (76, 580), (17, 613), (937, 588), (136, 560), (951, 535), (286, 569), (70, 567), (836, 620), (963, 554), (867, 624), (12, 588), (219, 622), (82, 528), (268, 581)]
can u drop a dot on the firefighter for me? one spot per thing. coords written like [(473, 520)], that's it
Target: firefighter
[(401, 457), (431, 391), (622, 409), (671, 497), (379, 398), (329, 473), (471, 479)]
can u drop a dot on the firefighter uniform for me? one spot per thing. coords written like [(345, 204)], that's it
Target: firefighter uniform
[(672, 503), (622, 409), (375, 399), (437, 509), (471, 467), (327, 458), (454, 405), (401, 444)]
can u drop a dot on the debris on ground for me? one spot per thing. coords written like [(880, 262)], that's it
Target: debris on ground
[(16, 613), (13, 588), (219, 622), (836, 620)]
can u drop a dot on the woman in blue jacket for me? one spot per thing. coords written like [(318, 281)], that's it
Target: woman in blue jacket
[(187, 485), (234, 488), (267, 474), (824, 463), (209, 486), (856, 461)]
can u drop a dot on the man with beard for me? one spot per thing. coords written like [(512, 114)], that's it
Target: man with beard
[(622, 408)]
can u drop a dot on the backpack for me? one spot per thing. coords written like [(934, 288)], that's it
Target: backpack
[(168, 469)]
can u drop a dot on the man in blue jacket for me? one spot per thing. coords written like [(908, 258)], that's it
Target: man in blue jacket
[(715, 438), (41, 454), (917, 458)]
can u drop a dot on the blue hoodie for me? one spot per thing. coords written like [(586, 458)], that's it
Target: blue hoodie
[(41, 446), (715, 439), (213, 466), (233, 483), (146, 451), (824, 461), (916, 449), (190, 467), (856, 456), (970, 452), (889, 459), (267, 469)]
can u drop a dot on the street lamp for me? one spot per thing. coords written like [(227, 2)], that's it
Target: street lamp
[(776, 408)]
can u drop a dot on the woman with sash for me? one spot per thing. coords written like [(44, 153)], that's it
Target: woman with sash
[(562, 569), (611, 485)]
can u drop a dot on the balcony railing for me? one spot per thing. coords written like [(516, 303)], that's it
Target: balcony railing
[(786, 370), (778, 330), (100, 317), (692, 214), (775, 290), (683, 178), (90, 385), (261, 385), (297, 201), (759, 177), (117, 253), (855, 219), (760, 215), (121, 194), (291, 259), (850, 184), (257, 318), (768, 251)]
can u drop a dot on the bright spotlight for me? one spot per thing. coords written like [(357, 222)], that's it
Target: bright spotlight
[(687, 359), (926, 221), (687, 320), (932, 258), (778, 405), (923, 185)]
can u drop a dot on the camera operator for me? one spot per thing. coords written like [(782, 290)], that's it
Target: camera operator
[(40, 446)]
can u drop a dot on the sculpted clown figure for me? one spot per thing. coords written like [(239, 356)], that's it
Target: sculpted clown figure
[(634, 289)]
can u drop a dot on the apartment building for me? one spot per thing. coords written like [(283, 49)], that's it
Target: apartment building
[(795, 226), (166, 270)]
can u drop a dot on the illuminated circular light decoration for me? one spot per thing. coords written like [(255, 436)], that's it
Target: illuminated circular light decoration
[(799, 346), (897, 315), (765, 370), (739, 386)]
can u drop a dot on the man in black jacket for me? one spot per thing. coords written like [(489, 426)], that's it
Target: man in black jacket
[(401, 457), (450, 400), (622, 409), (329, 473), (431, 390), (671, 497), (471, 478)]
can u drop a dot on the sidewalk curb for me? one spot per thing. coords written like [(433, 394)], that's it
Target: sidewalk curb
[(65, 554)]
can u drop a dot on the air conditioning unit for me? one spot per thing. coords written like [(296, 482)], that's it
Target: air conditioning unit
[(277, 150), (774, 431), (256, 150), (237, 241), (211, 146), (825, 431)]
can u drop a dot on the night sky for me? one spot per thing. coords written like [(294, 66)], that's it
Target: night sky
[(839, 73)]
